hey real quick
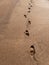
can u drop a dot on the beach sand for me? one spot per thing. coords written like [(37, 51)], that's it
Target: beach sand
[(14, 44)]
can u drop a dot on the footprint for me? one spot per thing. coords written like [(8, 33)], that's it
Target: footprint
[(32, 50), (25, 16), (32, 46), (30, 5), (27, 33), (31, 1), (29, 22), (26, 30), (29, 8), (29, 11)]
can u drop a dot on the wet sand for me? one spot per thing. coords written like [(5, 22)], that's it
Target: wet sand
[(14, 44)]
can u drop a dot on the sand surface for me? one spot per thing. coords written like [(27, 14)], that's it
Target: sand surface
[(14, 44)]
